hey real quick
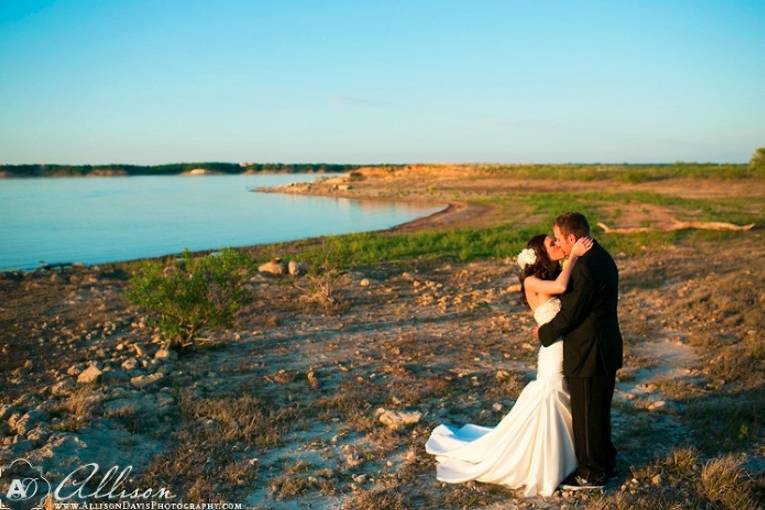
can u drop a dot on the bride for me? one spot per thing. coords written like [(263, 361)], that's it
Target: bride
[(532, 446)]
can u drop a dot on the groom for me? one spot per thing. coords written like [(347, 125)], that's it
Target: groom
[(592, 351)]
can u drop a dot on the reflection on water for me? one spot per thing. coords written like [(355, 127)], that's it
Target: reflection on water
[(94, 220)]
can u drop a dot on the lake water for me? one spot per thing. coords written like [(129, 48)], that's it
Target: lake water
[(96, 220)]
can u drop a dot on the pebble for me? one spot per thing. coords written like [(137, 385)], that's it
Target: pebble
[(141, 381), (89, 375)]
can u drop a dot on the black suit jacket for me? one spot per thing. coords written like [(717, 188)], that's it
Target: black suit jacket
[(587, 321)]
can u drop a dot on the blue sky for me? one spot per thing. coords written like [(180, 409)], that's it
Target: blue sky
[(150, 82)]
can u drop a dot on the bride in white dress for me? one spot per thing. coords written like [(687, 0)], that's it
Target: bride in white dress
[(532, 446)]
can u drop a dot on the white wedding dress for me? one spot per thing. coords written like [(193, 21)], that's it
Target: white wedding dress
[(531, 447)]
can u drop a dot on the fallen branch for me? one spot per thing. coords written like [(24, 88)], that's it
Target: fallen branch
[(679, 225)]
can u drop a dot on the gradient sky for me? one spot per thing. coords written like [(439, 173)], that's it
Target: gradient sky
[(149, 82)]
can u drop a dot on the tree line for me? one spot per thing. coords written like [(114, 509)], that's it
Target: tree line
[(54, 170)]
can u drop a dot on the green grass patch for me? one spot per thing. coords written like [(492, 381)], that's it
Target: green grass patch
[(527, 214), (627, 173)]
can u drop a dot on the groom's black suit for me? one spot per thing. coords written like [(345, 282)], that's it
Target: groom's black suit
[(592, 353)]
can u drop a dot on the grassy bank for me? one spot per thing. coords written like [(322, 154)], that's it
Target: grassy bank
[(525, 214), (627, 173)]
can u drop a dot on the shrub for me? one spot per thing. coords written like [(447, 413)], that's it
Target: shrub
[(757, 163), (321, 289), (191, 293)]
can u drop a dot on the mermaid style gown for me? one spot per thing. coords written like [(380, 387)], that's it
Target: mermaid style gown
[(531, 447)]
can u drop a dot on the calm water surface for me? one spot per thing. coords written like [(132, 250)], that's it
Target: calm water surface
[(95, 220)]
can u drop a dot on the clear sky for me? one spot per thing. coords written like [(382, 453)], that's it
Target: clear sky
[(147, 82)]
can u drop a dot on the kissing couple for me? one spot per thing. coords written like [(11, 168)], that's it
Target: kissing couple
[(558, 433)]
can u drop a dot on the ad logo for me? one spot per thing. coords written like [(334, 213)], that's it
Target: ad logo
[(23, 486)]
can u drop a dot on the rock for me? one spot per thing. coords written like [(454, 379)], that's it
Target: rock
[(283, 377), (138, 350), (89, 375), (349, 454), (130, 364), (28, 364), (397, 419), (74, 369), (364, 282), (497, 406), (164, 353), (141, 381), (502, 375), (313, 381), (295, 268), (275, 267)]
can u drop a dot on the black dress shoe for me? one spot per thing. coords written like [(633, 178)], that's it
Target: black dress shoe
[(578, 482)]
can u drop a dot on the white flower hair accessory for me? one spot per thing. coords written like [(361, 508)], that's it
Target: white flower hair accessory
[(526, 257)]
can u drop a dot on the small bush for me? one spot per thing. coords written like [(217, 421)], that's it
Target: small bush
[(321, 291), (757, 163), (191, 293)]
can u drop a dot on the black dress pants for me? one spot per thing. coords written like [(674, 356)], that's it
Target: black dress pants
[(591, 415)]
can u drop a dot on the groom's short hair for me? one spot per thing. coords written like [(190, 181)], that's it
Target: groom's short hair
[(573, 223)]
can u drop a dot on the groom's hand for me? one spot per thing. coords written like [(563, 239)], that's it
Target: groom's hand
[(536, 332)]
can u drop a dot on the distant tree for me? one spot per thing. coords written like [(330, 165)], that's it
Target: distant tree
[(757, 163)]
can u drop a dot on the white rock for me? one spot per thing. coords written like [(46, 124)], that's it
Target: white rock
[(397, 419), (295, 268), (130, 364), (164, 353), (74, 369), (89, 375), (275, 266), (139, 352), (141, 381)]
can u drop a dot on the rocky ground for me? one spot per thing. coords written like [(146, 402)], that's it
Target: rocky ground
[(302, 406)]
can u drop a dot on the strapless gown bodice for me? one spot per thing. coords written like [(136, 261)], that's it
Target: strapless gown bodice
[(550, 358)]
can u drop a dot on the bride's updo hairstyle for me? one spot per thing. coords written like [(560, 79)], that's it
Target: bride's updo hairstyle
[(543, 267)]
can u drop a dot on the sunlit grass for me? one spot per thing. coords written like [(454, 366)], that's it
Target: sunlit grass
[(626, 173), (527, 214)]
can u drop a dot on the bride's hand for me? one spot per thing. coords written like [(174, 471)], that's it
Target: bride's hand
[(581, 246)]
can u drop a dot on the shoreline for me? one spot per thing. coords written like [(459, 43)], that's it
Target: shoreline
[(450, 212)]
